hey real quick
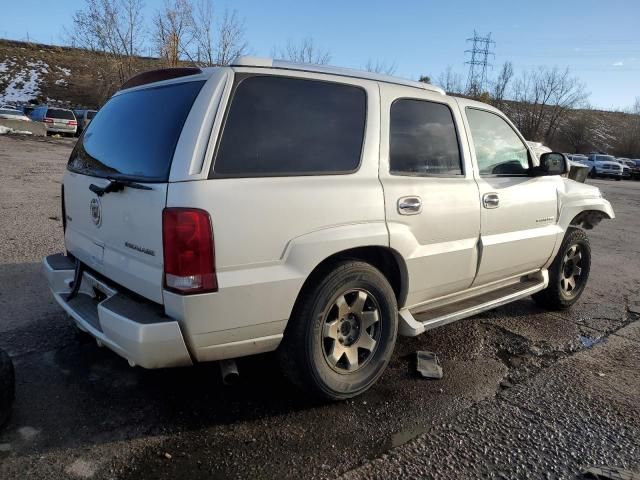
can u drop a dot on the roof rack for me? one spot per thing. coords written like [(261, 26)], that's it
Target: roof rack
[(246, 61)]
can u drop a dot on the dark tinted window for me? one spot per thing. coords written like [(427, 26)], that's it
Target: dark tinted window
[(279, 126), (59, 113), (423, 139), (135, 133), (91, 114)]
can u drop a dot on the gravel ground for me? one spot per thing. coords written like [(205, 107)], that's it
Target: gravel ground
[(526, 393)]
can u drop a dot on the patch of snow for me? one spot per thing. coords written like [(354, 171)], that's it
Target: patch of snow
[(66, 71), (61, 81), (24, 83), (4, 130)]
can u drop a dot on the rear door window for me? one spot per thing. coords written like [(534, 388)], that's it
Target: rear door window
[(135, 134), (279, 126), (423, 139)]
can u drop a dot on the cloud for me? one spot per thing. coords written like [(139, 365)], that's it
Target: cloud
[(618, 64)]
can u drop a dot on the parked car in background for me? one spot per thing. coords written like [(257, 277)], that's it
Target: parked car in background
[(27, 110), (84, 119), (635, 169), (577, 171), (577, 157), (629, 164), (399, 199), (56, 120), (13, 114), (601, 165)]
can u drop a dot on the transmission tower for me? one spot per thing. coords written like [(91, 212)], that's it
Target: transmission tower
[(478, 63)]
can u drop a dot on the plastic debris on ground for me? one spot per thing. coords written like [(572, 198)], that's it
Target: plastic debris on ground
[(428, 365)]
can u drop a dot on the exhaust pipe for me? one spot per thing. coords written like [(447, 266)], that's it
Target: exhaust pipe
[(229, 372)]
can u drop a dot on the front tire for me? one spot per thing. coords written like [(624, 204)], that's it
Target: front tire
[(568, 273), (342, 332)]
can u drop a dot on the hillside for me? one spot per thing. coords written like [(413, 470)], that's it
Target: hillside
[(37, 73)]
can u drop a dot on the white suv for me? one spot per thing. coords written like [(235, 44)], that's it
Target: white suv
[(311, 210)]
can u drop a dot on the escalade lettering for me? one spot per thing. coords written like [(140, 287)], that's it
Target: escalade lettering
[(140, 249)]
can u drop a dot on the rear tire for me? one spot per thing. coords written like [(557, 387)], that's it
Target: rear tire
[(342, 331), (7, 387), (568, 273)]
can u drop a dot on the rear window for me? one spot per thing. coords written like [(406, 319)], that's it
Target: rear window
[(59, 113), (279, 126), (135, 134), (10, 112), (91, 114)]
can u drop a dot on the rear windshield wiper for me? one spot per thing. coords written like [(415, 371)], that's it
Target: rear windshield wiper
[(116, 185)]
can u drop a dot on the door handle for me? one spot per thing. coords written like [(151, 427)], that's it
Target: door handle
[(490, 200), (409, 205)]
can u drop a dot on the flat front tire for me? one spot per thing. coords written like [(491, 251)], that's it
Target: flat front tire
[(568, 273), (342, 332)]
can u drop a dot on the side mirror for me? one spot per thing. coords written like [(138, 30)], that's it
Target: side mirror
[(552, 163)]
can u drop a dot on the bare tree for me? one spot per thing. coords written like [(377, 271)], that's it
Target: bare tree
[(577, 130), (380, 67), (542, 97), (628, 141), (424, 79), (217, 43), (173, 31), (500, 86), (450, 81), (113, 31), (306, 51)]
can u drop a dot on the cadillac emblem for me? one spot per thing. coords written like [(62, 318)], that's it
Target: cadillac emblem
[(95, 210)]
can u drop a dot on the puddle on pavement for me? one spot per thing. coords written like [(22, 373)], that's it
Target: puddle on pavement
[(588, 342), (405, 436)]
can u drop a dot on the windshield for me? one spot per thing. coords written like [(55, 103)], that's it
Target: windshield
[(135, 134), (605, 158), (6, 111)]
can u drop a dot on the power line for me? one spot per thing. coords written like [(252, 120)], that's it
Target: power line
[(478, 63)]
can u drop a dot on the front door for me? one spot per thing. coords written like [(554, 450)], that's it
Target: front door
[(519, 212), (431, 198)]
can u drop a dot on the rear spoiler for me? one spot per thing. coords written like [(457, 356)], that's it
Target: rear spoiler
[(152, 76)]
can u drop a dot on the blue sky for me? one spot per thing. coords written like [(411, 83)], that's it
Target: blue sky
[(598, 40)]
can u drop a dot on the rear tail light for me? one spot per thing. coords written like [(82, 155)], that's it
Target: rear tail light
[(189, 256), (48, 120), (72, 122)]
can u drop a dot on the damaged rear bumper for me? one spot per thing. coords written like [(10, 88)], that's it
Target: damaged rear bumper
[(137, 330)]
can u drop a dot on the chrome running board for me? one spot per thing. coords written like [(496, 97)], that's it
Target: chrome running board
[(419, 320)]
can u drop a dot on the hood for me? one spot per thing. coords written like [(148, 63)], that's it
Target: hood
[(579, 190)]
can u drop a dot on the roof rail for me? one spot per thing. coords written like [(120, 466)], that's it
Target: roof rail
[(245, 61)]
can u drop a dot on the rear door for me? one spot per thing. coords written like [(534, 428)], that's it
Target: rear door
[(431, 197), (519, 211), (119, 234)]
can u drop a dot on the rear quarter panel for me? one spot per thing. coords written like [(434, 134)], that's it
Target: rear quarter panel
[(270, 233)]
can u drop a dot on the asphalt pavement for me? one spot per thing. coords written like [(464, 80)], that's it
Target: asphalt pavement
[(525, 393)]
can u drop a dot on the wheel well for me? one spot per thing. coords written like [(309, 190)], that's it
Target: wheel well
[(588, 219), (385, 259)]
